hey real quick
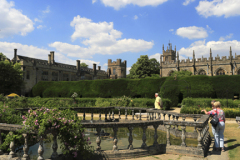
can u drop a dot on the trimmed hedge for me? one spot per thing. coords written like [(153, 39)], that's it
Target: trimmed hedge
[(190, 86), (83, 102), (225, 82), (136, 88), (206, 102)]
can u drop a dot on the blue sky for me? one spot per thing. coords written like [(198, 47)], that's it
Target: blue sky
[(94, 31)]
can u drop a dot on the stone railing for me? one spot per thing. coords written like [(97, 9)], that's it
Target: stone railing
[(155, 118), (238, 121)]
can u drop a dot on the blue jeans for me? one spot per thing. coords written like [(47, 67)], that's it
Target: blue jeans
[(213, 131), (219, 137)]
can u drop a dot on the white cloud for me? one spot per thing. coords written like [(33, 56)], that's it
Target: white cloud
[(37, 20), (93, 1), (104, 67), (40, 27), (128, 70), (135, 17), (156, 56), (202, 48), (218, 8), (38, 53), (99, 38), (226, 37), (209, 29), (47, 10), (125, 15), (12, 21), (192, 32), (171, 30), (117, 4), (187, 2)]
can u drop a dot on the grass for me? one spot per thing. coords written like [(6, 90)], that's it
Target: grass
[(232, 133)]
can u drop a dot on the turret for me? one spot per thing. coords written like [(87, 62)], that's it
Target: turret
[(78, 65), (52, 57), (15, 55), (49, 59), (211, 62), (94, 69)]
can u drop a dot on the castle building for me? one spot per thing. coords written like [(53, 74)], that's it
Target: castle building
[(169, 62), (116, 69), (36, 70)]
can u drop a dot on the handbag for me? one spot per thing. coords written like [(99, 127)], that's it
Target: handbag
[(215, 120)]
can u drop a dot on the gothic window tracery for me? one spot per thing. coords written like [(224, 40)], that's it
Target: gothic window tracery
[(54, 76), (65, 77), (202, 72), (45, 75), (220, 72)]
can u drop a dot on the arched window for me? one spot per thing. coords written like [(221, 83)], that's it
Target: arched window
[(220, 72), (202, 72), (238, 72)]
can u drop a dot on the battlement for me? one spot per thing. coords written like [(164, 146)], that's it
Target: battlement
[(117, 63)]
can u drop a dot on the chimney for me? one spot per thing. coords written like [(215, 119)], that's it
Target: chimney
[(99, 68), (78, 65), (15, 55), (94, 69), (52, 57), (49, 59)]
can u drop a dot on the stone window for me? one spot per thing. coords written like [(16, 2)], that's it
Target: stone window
[(82, 77), (54, 76), (114, 71), (220, 72), (65, 77), (238, 72), (45, 75), (202, 72), (28, 74), (73, 77)]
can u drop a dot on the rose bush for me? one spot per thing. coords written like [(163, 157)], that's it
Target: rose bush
[(64, 123)]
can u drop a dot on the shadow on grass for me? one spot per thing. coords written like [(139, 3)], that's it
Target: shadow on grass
[(230, 140), (232, 147)]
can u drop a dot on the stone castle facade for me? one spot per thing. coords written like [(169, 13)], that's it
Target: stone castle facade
[(169, 62), (36, 70)]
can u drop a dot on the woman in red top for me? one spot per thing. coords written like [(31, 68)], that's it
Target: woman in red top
[(219, 137)]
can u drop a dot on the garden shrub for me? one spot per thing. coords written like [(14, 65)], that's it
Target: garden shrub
[(226, 85)]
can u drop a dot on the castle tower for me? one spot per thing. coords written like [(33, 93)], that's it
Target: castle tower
[(117, 69), (169, 54)]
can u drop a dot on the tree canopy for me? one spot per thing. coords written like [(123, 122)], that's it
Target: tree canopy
[(83, 65), (10, 76), (144, 67)]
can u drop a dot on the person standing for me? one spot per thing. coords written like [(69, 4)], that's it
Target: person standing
[(219, 130), (158, 102), (213, 107)]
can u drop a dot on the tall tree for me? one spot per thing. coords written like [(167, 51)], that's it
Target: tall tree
[(10, 77), (144, 67), (83, 65)]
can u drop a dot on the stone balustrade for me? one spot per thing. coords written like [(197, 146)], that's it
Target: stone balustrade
[(155, 118), (238, 121)]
